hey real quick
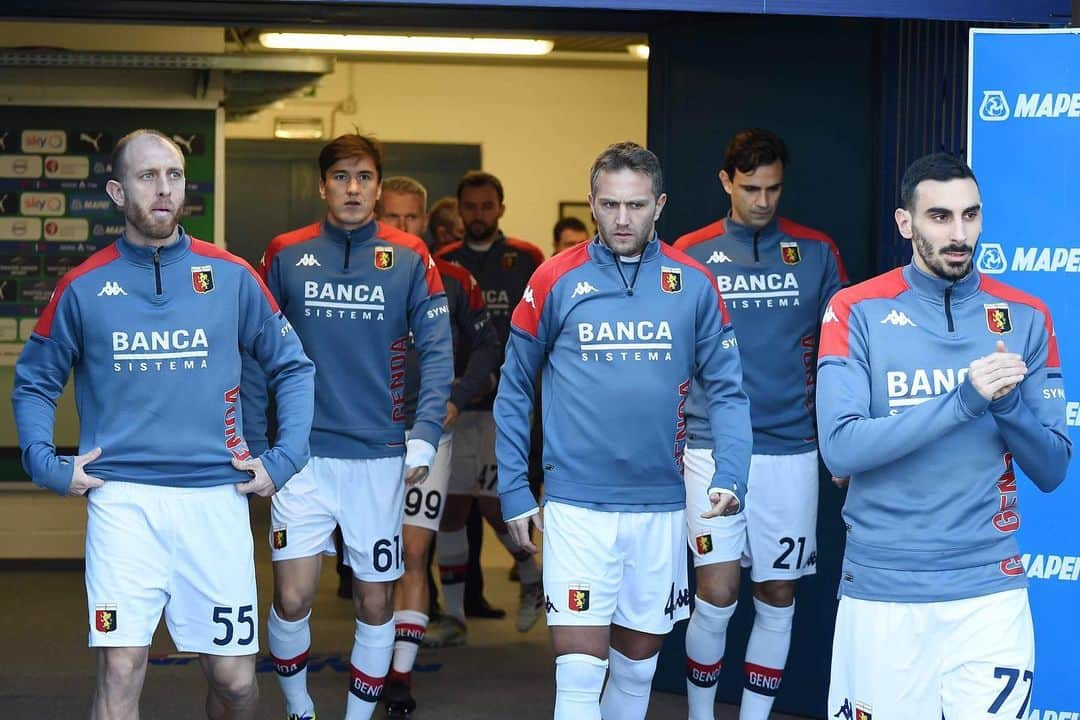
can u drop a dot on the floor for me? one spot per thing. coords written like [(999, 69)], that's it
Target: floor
[(47, 672)]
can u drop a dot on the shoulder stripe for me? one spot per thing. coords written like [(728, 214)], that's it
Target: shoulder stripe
[(526, 247), (101, 258), (283, 241), (795, 230), (835, 326), (205, 249), (678, 255), (709, 232), (527, 314), (467, 281), (392, 235), (1000, 290), (449, 249)]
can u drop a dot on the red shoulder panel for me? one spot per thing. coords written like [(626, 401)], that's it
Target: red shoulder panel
[(527, 314), (199, 247), (795, 230), (463, 276), (678, 255), (102, 257), (710, 231), (526, 247), (283, 241), (448, 249), (1010, 294), (835, 326), (411, 242)]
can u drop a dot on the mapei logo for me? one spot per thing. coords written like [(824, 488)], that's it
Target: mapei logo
[(898, 318), (583, 288), (308, 260), (991, 259), (111, 288), (994, 106)]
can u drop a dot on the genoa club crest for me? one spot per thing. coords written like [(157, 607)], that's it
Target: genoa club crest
[(998, 320), (509, 260), (105, 618), (202, 279), (278, 538), (578, 598), (671, 279), (789, 253), (862, 711), (384, 257), (704, 543)]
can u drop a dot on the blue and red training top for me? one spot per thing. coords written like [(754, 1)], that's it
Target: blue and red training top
[(932, 509), (618, 351), (155, 339)]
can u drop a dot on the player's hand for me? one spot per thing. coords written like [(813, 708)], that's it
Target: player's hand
[(519, 531), (840, 482), (416, 475), (995, 375), (722, 504), (81, 481), (260, 482), (452, 413)]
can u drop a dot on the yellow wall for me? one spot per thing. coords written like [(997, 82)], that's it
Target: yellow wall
[(540, 126)]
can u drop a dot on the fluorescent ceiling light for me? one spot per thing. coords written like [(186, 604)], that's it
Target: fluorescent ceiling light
[(290, 128), (406, 44), (640, 51)]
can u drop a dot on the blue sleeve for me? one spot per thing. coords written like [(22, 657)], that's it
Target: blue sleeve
[(525, 355), (41, 373), (290, 376), (482, 343), (1031, 419), (254, 400), (830, 283), (719, 371), (429, 320), (845, 427)]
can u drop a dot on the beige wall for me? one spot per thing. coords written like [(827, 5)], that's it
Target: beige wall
[(540, 127)]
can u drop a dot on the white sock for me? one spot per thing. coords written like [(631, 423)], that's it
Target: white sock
[(372, 647), (706, 635), (409, 627), (578, 681), (766, 655), (290, 643), (528, 572), (453, 552), (626, 696)]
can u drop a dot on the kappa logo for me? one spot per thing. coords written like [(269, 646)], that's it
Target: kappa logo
[(583, 288), (111, 288), (994, 106), (527, 297), (991, 259), (830, 316), (717, 257), (845, 712), (549, 606), (898, 318), (308, 260)]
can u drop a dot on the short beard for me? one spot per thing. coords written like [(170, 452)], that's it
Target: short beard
[(488, 234), (147, 226), (933, 260)]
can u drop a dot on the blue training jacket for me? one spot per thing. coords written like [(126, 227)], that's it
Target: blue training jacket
[(154, 337), (776, 282), (355, 298), (932, 509), (618, 356)]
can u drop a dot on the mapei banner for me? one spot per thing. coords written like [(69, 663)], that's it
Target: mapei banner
[(1024, 145)]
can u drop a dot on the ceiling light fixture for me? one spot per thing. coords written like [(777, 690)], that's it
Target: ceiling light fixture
[(640, 51), (424, 44)]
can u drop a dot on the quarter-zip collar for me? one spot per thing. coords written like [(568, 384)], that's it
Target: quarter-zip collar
[(602, 255), (144, 255), (341, 236), (761, 240), (933, 288)]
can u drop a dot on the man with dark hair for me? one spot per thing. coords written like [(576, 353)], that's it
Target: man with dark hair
[(568, 232), (618, 326), (476, 359), (360, 294), (777, 277), (502, 266), (933, 380), (153, 326)]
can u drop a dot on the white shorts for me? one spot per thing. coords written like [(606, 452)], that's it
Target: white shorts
[(185, 550), (776, 533), (424, 503), (474, 470), (622, 568), (969, 659), (364, 496)]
